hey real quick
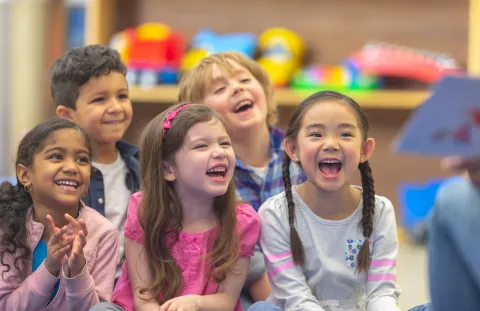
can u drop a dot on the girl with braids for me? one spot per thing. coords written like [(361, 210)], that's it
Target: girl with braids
[(188, 241), (329, 245), (55, 252)]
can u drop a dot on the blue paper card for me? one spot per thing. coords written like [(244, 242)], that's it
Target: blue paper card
[(447, 123)]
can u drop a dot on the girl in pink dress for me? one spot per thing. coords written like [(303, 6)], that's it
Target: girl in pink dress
[(188, 241)]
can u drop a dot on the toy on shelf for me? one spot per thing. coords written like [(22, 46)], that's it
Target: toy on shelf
[(282, 53), (152, 52), (207, 42), (334, 77), (385, 59)]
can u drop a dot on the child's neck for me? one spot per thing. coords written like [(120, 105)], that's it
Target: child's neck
[(336, 205), (252, 146), (197, 214), (105, 153), (58, 214)]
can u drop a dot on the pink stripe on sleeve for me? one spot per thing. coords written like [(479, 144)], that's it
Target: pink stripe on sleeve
[(383, 263), (284, 266), (382, 277), (278, 256)]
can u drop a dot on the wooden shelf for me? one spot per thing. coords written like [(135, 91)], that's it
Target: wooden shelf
[(381, 99)]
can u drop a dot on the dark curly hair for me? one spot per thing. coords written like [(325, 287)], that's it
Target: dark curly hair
[(79, 65), (15, 201), (368, 194)]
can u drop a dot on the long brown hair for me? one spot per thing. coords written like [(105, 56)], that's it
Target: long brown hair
[(194, 84), (368, 193), (160, 212)]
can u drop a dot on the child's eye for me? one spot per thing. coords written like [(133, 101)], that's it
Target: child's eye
[(55, 156), (245, 80), (200, 146), (98, 100), (220, 89), (84, 159), (347, 134), (315, 135), (123, 96), (226, 143)]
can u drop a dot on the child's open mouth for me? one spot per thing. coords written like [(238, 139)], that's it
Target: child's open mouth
[(243, 106), (113, 122), (330, 168), (68, 185), (217, 173)]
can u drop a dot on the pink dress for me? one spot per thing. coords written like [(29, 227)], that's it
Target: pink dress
[(188, 252)]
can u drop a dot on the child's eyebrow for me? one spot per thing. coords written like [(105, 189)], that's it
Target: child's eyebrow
[(64, 150), (218, 80), (322, 126), (55, 149)]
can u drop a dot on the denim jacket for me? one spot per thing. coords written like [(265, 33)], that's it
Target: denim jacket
[(96, 192)]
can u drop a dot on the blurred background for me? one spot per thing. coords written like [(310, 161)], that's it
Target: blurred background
[(385, 54)]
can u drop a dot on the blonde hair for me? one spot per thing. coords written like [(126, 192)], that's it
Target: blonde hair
[(194, 84)]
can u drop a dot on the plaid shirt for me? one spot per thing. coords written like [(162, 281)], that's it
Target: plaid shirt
[(255, 190)]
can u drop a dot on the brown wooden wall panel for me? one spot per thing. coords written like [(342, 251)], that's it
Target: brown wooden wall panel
[(331, 29)]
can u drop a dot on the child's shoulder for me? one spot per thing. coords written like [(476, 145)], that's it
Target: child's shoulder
[(245, 213), (384, 210), (274, 203), (127, 150)]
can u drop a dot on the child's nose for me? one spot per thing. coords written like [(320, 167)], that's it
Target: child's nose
[(330, 144), (219, 153), (70, 167)]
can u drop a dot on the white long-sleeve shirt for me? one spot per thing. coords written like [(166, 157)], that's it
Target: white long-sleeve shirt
[(329, 281)]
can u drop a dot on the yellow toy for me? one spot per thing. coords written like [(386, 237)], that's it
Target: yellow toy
[(282, 53)]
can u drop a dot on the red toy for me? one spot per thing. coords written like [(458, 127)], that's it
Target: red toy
[(384, 59)]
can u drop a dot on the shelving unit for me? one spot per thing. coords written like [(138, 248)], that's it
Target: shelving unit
[(331, 30), (104, 17), (165, 94)]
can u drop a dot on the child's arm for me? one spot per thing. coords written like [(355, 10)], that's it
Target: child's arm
[(88, 288), (260, 289), (35, 291), (226, 297), (289, 286), (139, 274), (85, 288), (257, 279), (382, 290)]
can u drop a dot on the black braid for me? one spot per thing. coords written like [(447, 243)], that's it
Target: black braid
[(298, 251), (368, 213)]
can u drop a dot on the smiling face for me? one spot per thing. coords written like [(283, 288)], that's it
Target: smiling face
[(330, 145), (60, 172), (204, 166), (103, 108), (238, 96)]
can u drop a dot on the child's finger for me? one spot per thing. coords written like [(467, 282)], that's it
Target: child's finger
[(73, 222), (51, 225), (61, 244), (82, 238), (166, 305), (57, 236), (60, 252), (83, 226)]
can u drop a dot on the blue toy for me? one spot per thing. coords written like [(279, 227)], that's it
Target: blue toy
[(417, 200), (212, 42)]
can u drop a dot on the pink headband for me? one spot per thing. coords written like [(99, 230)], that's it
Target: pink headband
[(170, 116)]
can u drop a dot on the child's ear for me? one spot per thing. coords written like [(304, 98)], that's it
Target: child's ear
[(291, 149), (24, 175), (65, 112), (169, 172), (367, 149)]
